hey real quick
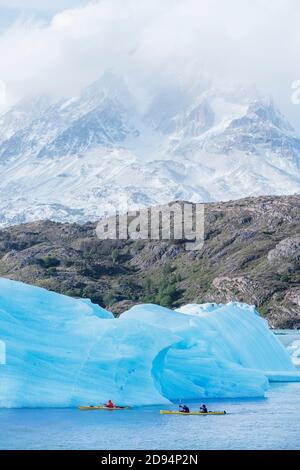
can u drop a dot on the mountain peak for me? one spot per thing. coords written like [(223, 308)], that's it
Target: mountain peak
[(81, 157), (266, 111), (108, 86)]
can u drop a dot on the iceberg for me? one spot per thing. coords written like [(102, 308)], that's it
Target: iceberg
[(294, 350), (65, 352)]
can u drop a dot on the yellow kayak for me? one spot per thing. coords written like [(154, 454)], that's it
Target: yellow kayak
[(193, 413), (117, 408)]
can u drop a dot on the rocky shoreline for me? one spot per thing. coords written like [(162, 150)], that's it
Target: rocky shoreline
[(251, 254)]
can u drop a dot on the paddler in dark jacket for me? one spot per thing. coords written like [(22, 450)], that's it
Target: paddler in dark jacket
[(184, 409)]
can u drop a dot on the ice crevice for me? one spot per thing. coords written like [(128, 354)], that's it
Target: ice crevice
[(64, 352)]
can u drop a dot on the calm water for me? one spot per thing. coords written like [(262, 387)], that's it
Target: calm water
[(271, 423)]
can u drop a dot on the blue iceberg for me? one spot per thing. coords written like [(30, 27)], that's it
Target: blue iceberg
[(62, 352)]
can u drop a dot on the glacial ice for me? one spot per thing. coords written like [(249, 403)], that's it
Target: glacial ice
[(65, 352), (294, 350)]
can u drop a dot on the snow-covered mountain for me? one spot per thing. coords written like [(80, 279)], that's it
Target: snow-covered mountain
[(85, 156)]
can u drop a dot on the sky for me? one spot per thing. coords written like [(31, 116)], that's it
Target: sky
[(42, 9), (59, 46)]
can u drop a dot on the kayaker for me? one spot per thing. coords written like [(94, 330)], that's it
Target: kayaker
[(110, 404), (203, 409), (184, 409)]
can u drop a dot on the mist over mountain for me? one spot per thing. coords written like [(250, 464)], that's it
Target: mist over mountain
[(82, 157)]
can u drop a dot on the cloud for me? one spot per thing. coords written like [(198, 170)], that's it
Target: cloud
[(50, 5), (157, 44), (2, 93)]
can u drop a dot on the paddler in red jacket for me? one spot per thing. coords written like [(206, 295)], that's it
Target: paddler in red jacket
[(110, 404)]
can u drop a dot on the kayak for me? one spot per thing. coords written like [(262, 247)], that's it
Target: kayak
[(117, 408), (193, 413)]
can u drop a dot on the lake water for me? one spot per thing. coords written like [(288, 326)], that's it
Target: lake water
[(270, 423)]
